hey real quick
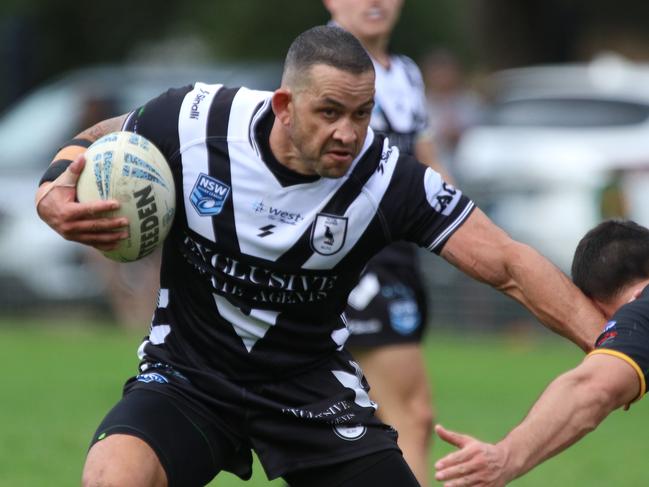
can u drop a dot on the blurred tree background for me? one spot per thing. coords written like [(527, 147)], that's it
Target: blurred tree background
[(40, 38)]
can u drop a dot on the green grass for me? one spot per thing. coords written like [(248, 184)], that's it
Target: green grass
[(58, 382)]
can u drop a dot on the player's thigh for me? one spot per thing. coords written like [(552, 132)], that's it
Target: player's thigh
[(123, 460), (376, 469), (396, 375), (166, 434)]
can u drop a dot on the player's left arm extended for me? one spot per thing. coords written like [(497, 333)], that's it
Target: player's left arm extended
[(485, 252), (571, 406)]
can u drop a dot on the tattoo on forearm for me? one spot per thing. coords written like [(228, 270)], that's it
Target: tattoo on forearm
[(95, 132), (102, 128)]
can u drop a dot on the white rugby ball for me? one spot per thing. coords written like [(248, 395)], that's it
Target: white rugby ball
[(130, 169)]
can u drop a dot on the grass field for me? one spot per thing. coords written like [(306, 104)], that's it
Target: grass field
[(58, 382)]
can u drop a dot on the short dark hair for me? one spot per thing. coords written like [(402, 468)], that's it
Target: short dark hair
[(329, 45), (609, 257)]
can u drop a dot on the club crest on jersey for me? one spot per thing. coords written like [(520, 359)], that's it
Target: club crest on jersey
[(328, 234), (209, 195), (350, 433)]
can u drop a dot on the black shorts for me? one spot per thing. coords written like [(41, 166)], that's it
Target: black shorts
[(387, 307), (320, 417)]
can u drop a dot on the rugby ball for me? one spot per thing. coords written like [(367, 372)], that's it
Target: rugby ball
[(130, 169)]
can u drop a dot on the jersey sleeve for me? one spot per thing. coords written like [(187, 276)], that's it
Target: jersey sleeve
[(432, 209), (157, 120), (626, 336)]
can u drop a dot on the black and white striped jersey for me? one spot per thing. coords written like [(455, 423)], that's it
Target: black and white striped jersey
[(260, 260), (400, 103)]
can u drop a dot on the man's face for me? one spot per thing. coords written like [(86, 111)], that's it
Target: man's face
[(329, 117), (365, 19)]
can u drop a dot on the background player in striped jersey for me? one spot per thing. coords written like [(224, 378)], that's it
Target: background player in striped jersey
[(611, 266), (246, 347), (387, 311)]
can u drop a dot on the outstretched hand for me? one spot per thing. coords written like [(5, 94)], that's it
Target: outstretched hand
[(86, 223), (474, 464)]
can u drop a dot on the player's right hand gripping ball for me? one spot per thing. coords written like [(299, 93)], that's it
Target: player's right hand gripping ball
[(130, 169)]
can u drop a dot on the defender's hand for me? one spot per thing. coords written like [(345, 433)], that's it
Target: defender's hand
[(85, 223), (474, 464)]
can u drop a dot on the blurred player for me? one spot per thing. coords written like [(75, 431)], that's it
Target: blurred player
[(282, 199), (452, 106), (611, 266), (387, 311)]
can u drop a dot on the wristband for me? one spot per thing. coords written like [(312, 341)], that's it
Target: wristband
[(78, 142), (63, 158), (54, 170), (71, 149)]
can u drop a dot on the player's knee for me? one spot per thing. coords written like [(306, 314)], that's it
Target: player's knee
[(426, 419), (97, 477), (115, 477), (422, 416), (122, 461)]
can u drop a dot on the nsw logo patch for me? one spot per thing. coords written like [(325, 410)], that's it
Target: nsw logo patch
[(209, 195), (328, 234), (404, 316)]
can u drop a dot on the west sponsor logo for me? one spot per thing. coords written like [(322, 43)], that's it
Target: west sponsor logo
[(209, 195), (277, 214)]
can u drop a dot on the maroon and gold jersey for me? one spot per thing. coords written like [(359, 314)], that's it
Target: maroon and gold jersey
[(626, 336)]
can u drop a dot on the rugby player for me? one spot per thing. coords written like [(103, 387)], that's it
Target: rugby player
[(246, 347), (611, 267)]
